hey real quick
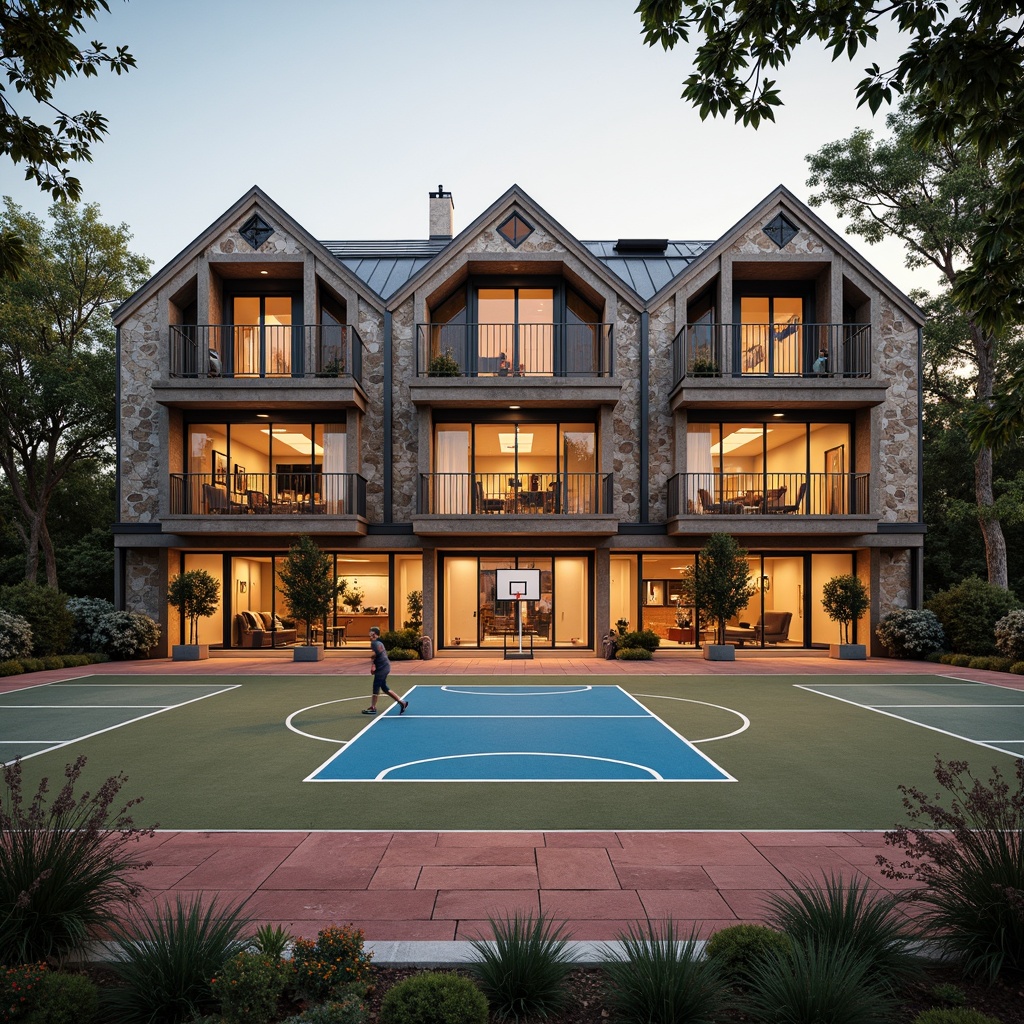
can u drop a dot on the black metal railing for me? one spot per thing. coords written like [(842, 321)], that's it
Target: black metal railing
[(514, 350), (736, 494), (772, 350), (473, 494), (207, 494), (269, 350)]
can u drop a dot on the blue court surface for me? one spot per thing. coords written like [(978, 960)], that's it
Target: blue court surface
[(574, 733), (991, 716)]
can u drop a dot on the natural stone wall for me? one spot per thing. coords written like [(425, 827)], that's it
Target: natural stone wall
[(279, 243), (893, 581), (755, 240), (404, 420), (144, 591), (370, 325), (626, 417), (895, 358), (661, 441), (140, 417)]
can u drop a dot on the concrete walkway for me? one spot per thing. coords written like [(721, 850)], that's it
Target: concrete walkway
[(429, 887)]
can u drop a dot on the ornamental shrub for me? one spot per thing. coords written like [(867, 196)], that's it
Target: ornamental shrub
[(15, 636), (249, 986), (969, 612), (87, 612), (400, 639), (350, 1010), (20, 988), (65, 999), (126, 634), (909, 633), (967, 848), (646, 639), (633, 654), (45, 610), (336, 959), (739, 947), (1017, 668), (403, 654), (11, 668), (434, 998), (1009, 632), (64, 863)]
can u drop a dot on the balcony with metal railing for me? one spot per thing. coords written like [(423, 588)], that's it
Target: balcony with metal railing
[(786, 363), (243, 366), (770, 502), (262, 502), (514, 350), (497, 503)]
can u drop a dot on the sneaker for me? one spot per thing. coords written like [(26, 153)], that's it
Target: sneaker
[(370, 711), (404, 704)]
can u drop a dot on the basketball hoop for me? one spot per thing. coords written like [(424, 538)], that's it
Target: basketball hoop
[(519, 595)]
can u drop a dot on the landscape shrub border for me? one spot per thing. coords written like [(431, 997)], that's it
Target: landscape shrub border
[(16, 666)]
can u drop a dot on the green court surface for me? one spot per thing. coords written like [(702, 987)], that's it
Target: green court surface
[(208, 752)]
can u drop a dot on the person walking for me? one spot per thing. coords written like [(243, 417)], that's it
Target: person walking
[(380, 666)]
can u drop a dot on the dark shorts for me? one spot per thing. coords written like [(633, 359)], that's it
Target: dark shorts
[(380, 683)]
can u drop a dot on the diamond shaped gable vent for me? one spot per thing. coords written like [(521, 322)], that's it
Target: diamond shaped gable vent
[(515, 230), (255, 230), (781, 230)]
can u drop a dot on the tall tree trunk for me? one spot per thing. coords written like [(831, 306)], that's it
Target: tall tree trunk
[(991, 527), (49, 557)]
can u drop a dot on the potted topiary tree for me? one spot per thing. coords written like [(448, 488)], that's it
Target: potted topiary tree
[(195, 594), (718, 586), (845, 599), (309, 586)]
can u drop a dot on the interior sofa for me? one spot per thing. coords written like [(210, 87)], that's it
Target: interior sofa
[(256, 629), (774, 627)]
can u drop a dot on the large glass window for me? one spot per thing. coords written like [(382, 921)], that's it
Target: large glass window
[(515, 467), (776, 467), (262, 335), (474, 617)]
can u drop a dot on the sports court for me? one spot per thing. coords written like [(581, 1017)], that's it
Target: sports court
[(809, 755), (580, 733)]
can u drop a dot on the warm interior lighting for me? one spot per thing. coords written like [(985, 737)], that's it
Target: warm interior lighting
[(263, 415), (302, 444), (507, 443), (778, 415), (737, 439)]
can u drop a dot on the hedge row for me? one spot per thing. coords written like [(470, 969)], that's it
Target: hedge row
[(16, 667)]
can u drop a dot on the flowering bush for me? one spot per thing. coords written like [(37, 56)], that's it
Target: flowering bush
[(908, 633), (1010, 635), (126, 634), (19, 990), (248, 987), (335, 960), (87, 612), (15, 637)]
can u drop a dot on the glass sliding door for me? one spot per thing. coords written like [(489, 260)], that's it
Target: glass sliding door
[(262, 336)]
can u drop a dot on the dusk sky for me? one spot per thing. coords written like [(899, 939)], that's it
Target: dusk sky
[(348, 112)]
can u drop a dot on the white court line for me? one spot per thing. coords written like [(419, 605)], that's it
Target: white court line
[(721, 707), (909, 721), (78, 707), (327, 739), (959, 706), (121, 725), (382, 776), (510, 692)]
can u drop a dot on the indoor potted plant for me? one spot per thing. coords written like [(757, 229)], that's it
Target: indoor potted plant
[(719, 587), (309, 586), (195, 594), (845, 599)]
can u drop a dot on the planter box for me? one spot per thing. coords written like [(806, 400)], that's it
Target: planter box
[(190, 652), (310, 652), (848, 652), (719, 652)]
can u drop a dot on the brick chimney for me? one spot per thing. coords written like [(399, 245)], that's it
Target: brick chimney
[(441, 213)]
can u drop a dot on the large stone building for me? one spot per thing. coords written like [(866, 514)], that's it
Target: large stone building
[(509, 396)]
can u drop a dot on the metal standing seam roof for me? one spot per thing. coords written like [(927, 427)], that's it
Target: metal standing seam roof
[(386, 266)]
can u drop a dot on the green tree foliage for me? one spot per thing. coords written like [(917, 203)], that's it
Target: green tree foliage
[(961, 65), (195, 594), (719, 584), (969, 612), (39, 47), (57, 361), (934, 197), (46, 612), (308, 583)]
